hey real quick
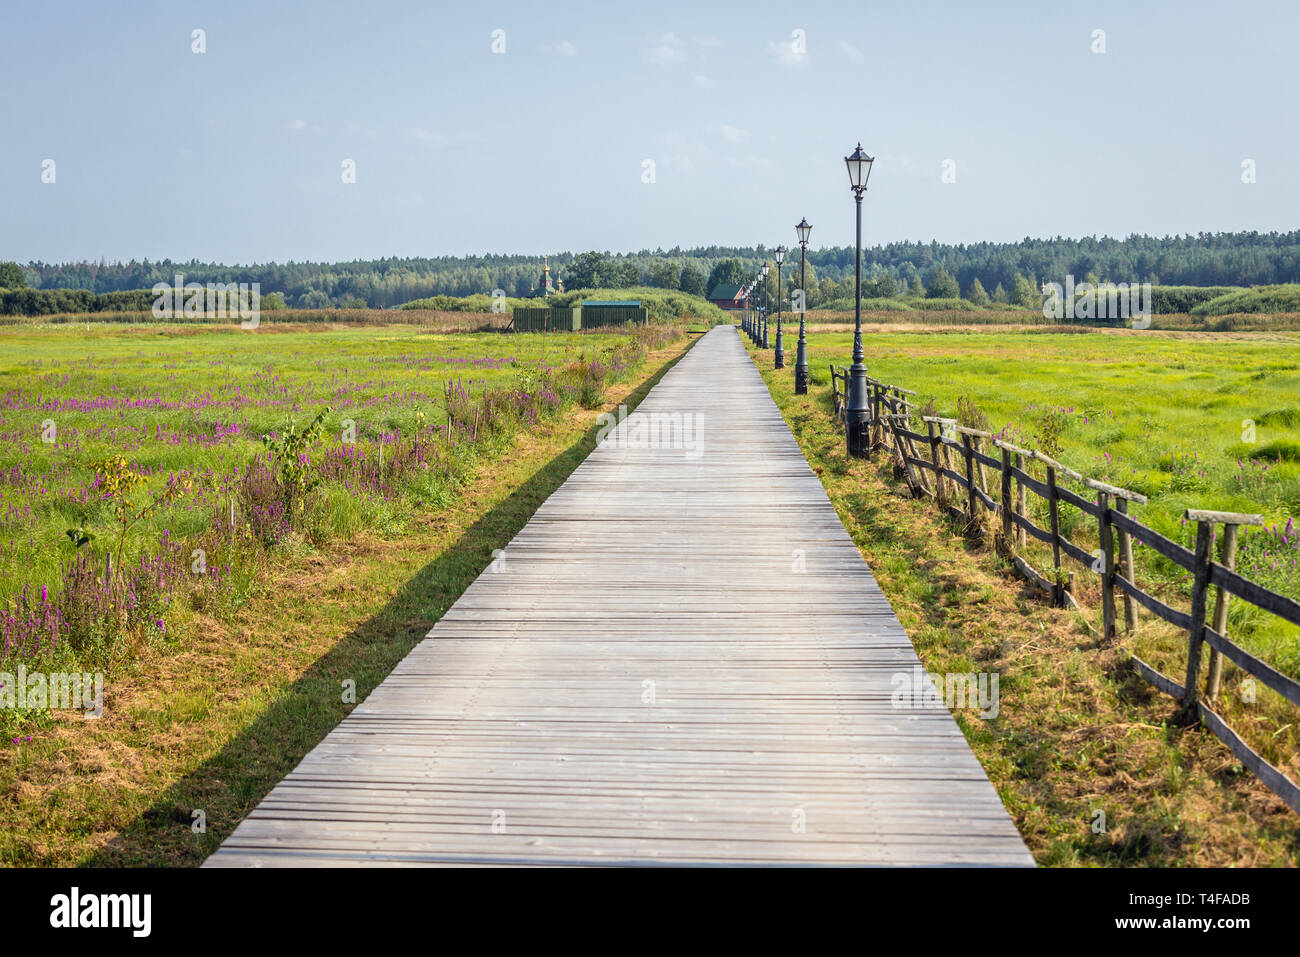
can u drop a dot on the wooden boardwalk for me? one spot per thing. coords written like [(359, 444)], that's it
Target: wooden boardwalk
[(681, 659)]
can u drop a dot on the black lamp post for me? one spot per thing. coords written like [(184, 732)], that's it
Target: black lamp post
[(801, 352), (763, 301), (856, 414), (753, 313), (780, 342)]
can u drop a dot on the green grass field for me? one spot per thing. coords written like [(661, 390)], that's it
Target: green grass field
[(1079, 731), (405, 414), (1190, 421), (216, 683)]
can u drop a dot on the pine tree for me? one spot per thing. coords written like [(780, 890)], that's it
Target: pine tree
[(976, 294), (941, 285), (1023, 293)]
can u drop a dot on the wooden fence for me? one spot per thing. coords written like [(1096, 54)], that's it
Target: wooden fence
[(968, 493), (545, 319), (594, 317), (574, 318)]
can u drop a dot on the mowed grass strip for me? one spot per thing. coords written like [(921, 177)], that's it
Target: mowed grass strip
[(1082, 751)]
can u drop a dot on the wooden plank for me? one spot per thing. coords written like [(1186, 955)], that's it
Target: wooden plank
[(1167, 685), (1222, 518), (1277, 782), (1146, 536), (1179, 619), (1031, 573), (1078, 501), (682, 659), (1214, 671), (1200, 593), (1005, 494), (1019, 475), (1027, 525), (1106, 539), (1287, 687), (1256, 594), (1053, 511), (1126, 565), (1028, 481)]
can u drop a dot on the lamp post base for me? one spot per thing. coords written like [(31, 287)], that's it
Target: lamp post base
[(801, 380), (780, 358), (855, 428)]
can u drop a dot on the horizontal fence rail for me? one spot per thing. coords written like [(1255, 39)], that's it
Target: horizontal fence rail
[(574, 318), (959, 467)]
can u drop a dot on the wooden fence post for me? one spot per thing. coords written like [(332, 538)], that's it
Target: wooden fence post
[(1107, 541), (1020, 501), (1007, 527), (1200, 590), (977, 443), (888, 440), (940, 487), (1126, 563), (968, 451), (871, 415), (1058, 596), (1228, 559)]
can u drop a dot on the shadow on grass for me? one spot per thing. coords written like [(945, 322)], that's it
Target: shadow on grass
[(230, 784)]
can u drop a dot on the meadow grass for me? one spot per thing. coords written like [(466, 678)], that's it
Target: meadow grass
[(195, 419), (1190, 421), (214, 713)]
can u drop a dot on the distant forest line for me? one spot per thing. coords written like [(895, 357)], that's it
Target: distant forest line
[(1218, 259)]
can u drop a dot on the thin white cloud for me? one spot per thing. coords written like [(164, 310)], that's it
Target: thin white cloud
[(666, 48), (748, 162), (732, 134), (786, 54), (427, 136), (298, 125), (563, 48), (703, 82), (852, 52)]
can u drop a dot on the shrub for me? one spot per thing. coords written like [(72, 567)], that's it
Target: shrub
[(940, 285), (873, 305), (946, 304), (971, 415), (1283, 298), (1168, 300), (1051, 427)]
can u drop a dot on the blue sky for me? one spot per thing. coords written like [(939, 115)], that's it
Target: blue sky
[(235, 154)]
